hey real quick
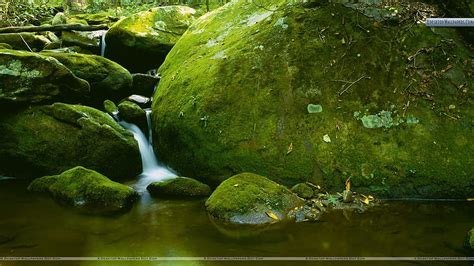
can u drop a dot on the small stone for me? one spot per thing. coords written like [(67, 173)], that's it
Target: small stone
[(303, 190), (314, 108), (347, 196)]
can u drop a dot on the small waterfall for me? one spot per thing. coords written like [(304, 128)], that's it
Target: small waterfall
[(150, 130), (103, 45), (153, 171)]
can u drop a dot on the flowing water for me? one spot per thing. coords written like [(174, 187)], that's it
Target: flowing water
[(152, 171), (31, 225), (103, 45)]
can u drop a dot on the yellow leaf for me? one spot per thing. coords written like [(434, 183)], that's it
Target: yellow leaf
[(272, 215), (290, 148), (470, 199), (371, 197), (348, 184), (365, 200)]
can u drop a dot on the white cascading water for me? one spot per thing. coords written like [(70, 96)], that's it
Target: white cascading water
[(103, 45), (153, 171)]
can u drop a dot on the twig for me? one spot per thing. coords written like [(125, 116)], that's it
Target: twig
[(345, 89)]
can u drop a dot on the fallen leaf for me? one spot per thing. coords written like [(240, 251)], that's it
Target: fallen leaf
[(470, 199), (290, 148), (365, 201), (272, 215), (348, 184), (236, 185)]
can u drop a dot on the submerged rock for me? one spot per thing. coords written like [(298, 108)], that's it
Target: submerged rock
[(47, 140), (179, 187), (107, 79), (240, 80), (142, 41), (27, 77), (132, 113), (86, 189), (251, 199)]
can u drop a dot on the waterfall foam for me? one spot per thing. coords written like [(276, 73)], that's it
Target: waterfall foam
[(153, 171)]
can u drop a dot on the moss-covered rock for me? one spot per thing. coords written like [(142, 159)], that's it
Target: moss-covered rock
[(142, 41), (303, 190), (235, 90), (96, 18), (59, 18), (27, 77), (469, 243), (107, 79), (251, 199), (86, 189), (47, 140), (35, 41), (132, 113), (110, 107), (179, 187)]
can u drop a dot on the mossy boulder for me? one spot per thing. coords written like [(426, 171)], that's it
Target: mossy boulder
[(251, 199), (179, 187), (35, 41), (27, 77), (59, 18), (47, 140), (107, 79), (142, 41), (303, 190), (96, 18), (132, 113), (87, 190), (396, 110)]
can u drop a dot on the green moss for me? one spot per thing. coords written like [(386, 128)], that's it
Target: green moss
[(32, 78), (108, 80), (132, 113), (470, 240), (86, 189), (142, 41), (110, 107), (46, 140), (5, 46), (179, 187), (234, 85), (248, 198)]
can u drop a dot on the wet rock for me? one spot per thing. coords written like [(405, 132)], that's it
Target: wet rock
[(179, 187), (32, 78), (35, 41), (251, 199), (144, 84), (87, 190), (107, 79), (47, 140), (303, 190), (96, 18), (142, 101), (132, 113), (142, 41), (238, 84)]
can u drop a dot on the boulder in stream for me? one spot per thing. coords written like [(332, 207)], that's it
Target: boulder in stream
[(47, 140), (179, 187), (87, 190), (142, 41), (252, 199), (395, 97), (132, 113)]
